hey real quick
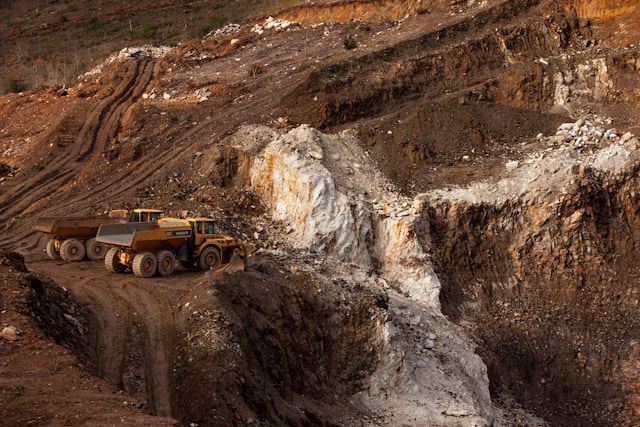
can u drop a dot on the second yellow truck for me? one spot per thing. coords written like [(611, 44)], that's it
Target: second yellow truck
[(73, 238)]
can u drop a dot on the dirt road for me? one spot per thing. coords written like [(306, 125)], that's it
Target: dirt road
[(99, 127), (129, 311)]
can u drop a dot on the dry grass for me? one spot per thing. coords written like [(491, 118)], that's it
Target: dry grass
[(44, 43)]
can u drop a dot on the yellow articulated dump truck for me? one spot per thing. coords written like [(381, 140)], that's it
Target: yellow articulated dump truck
[(154, 248), (73, 238)]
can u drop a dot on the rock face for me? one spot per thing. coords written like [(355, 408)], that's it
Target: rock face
[(325, 187), (301, 192), (335, 201), (424, 359), (544, 258), (588, 80), (540, 224), (603, 9)]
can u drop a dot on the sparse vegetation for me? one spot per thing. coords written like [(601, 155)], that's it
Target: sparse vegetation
[(71, 36), (94, 23), (349, 42), (213, 22), (256, 70), (14, 86), (147, 31)]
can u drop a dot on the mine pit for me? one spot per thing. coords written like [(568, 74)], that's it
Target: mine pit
[(441, 201)]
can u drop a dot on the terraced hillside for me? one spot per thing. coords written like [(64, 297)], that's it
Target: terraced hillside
[(443, 195)]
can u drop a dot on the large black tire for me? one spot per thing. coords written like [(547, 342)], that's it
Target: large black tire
[(166, 263), (112, 262), (209, 258), (53, 249), (95, 250), (72, 250), (145, 264)]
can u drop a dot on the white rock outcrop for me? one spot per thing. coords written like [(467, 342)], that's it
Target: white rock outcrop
[(335, 200), (587, 81), (301, 192)]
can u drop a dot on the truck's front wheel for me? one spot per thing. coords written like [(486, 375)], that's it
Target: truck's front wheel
[(144, 264), (209, 258), (112, 262)]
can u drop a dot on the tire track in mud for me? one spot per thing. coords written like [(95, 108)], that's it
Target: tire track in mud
[(119, 303), (112, 317), (100, 125), (66, 164), (149, 165), (157, 316)]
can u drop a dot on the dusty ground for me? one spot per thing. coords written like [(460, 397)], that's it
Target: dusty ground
[(440, 96), (43, 383)]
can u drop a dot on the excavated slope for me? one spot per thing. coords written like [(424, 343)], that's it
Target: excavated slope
[(384, 262)]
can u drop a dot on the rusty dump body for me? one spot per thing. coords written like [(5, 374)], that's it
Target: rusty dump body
[(140, 237), (81, 227)]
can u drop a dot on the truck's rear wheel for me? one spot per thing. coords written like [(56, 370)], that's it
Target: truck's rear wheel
[(53, 249), (144, 264), (72, 250), (166, 263), (209, 258), (112, 262), (95, 250)]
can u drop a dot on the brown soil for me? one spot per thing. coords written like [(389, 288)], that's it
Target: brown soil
[(52, 43), (424, 94), (451, 142), (42, 383), (264, 344)]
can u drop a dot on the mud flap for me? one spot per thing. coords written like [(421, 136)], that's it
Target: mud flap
[(182, 254)]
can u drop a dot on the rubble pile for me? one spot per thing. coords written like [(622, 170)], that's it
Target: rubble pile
[(145, 51), (585, 134), (202, 94), (576, 146), (272, 24), (227, 30), (135, 52)]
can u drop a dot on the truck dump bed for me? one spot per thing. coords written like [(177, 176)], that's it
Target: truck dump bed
[(143, 236), (81, 227)]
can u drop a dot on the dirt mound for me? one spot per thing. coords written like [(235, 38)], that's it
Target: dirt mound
[(450, 142), (274, 344)]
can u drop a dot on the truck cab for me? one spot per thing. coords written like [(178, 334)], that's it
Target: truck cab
[(201, 229)]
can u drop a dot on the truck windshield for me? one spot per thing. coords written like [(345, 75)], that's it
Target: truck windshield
[(154, 216), (209, 228)]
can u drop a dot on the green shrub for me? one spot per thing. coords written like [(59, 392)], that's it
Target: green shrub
[(14, 86), (147, 32), (349, 42)]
